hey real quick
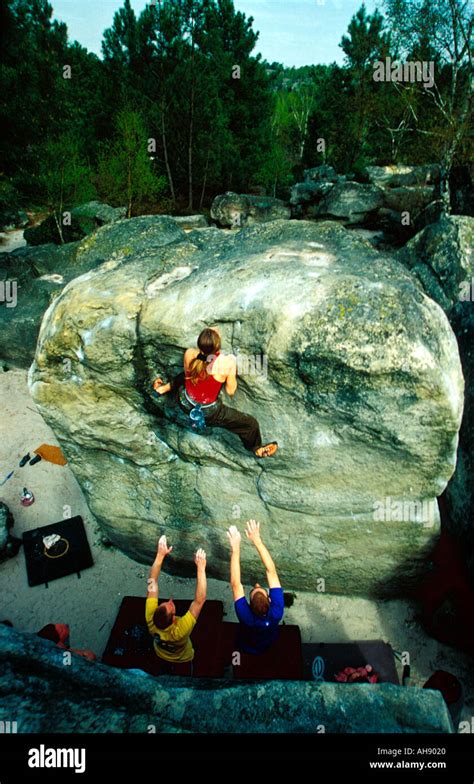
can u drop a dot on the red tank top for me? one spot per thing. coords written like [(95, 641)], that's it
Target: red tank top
[(207, 389)]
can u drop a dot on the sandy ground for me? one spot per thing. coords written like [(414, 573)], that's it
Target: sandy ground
[(90, 604)]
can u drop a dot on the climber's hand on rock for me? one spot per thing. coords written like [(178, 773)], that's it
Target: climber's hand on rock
[(163, 549), (200, 558), (253, 531), (161, 387), (234, 536)]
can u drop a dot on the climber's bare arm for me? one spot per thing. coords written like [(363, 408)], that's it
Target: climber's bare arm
[(235, 580), (231, 372), (189, 355), (201, 584), (162, 551), (253, 533)]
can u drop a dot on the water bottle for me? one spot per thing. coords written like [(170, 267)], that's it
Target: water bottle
[(198, 422)]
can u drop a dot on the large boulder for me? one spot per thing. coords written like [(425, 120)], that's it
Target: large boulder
[(442, 258), (191, 222), (352, 202), (323, 173), (409, 199), (41, 272), (237, 210), (400, 175), (36, 275), (344, 361), (408, 193), (84, 219), (43, 696), (305, 195)]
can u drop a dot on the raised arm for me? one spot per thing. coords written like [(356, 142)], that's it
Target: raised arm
[(235, 581), (253, 533), (201, 584), (162, 551)]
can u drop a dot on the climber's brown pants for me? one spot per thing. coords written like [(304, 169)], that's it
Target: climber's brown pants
[(220, 415)]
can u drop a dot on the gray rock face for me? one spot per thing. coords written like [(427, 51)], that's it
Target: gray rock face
[(85, 219), (409, 199), (44, 696), (189, 222), (9, 545), (322, 173), (101, 213), (237, 210), (352, 202), (306, 194), (399, 175), (342, 359), (37, 274), (41, 272), (442, 258), (382, 202)]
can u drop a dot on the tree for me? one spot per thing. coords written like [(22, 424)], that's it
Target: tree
[(64, 177), (124, 170), (444, 28), (365, 43)]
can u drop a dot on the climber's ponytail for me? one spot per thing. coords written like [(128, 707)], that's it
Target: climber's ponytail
[(209, 343)]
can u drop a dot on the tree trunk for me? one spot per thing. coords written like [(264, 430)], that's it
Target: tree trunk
[(129, 188), (165, 153), (190, 154), (191, 123), (59, 224), (205, 179)]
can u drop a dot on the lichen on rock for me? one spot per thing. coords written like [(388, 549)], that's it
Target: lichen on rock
[(353, 370)]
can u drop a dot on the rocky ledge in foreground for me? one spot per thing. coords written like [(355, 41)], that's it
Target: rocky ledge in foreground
[(42, 695)]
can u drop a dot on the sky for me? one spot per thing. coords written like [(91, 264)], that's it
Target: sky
[(292, 32)]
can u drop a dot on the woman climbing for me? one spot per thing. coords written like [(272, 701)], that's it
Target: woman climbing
[(206, 371)]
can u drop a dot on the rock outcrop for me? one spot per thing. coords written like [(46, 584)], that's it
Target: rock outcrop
[(352, 202), (381, 201), (236, 210), (40, 273), (190, 222), (442, 258), (44, 696), (82, 220), (342, 358)]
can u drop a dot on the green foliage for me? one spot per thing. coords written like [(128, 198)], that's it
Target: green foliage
[(9, 196), (125, 172), (171, 69), (64, 178)]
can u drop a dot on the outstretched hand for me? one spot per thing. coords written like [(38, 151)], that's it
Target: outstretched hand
[(200, 558), (163, 549), (253, 531), (234, 536)]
